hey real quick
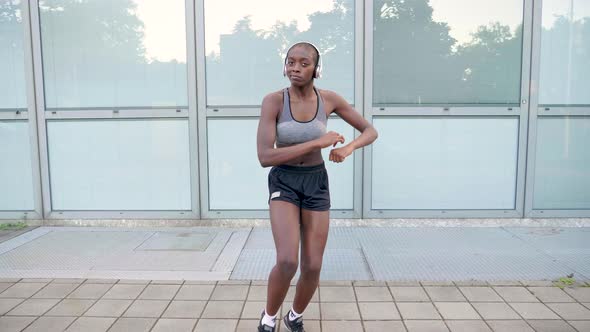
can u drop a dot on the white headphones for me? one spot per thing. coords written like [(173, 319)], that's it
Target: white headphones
[(317, 72)]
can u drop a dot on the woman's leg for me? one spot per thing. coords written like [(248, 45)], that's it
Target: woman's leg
[(284, 220), (314, 234)]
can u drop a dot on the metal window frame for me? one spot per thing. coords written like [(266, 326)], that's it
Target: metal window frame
[(517, 110), (206, 112), (43, 115), (14, 114), (28, 115), (198, 112), (116, 113), (544, 111)]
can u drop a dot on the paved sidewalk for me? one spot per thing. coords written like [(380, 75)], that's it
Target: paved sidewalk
[(373, 279), (88, 305), (352, 253), (11, 232)]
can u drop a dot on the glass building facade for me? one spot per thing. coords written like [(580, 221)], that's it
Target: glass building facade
[(149, 109)]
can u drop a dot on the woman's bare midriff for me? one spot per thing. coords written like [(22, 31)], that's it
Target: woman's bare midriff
[(309, 159)]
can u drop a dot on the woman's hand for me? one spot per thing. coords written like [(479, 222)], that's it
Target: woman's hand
[(330, 138), (338, 155)]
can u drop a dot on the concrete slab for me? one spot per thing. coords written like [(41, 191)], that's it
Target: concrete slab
[(191, 253)]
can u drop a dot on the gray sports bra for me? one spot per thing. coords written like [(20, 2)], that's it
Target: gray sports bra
[(291, 131)]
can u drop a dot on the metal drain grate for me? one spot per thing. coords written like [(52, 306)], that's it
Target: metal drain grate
[(338, 264)]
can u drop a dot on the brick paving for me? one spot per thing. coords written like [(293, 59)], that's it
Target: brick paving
[(89, 305)]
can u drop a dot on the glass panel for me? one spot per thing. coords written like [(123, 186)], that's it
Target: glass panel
[(12, 71), (447, 51), (445, 163), (119, 164), (265, 29), (562, 166), (16, 177), (341, 175), (114, 53), (565, 50), (236, 180)]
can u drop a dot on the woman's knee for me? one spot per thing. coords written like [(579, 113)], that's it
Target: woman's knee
[(311, 266), (287, 266)]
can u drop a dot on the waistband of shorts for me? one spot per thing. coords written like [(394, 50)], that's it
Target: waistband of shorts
[(302, 169)]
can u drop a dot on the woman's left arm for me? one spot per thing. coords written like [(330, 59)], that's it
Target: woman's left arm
[(352, 117)]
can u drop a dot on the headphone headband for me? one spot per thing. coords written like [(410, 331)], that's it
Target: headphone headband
[(317, 72)]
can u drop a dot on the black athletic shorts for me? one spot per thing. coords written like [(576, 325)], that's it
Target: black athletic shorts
[(306, 186)]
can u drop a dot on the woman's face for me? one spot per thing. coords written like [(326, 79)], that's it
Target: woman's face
[(300, 65)]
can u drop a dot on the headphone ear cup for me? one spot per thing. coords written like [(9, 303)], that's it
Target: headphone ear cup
[(318, 71), (285, 64), (318, 68)]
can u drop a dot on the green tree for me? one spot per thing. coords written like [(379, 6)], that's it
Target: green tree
[(491, 65), (411, 53)]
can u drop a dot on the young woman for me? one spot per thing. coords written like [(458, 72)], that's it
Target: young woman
[(295, 120)]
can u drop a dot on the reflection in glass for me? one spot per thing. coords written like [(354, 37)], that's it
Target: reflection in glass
[(565, 53), (245, 43), (16, 176), (562, 166), (236, 180), (447, 52), (444, 163), (119, 164), (12, 58), (114, 53)]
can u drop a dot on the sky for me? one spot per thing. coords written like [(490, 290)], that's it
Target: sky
[(164, 29), (165, 24), (554, 8)]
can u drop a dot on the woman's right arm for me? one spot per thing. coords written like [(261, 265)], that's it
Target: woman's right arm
[(268, 155)]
